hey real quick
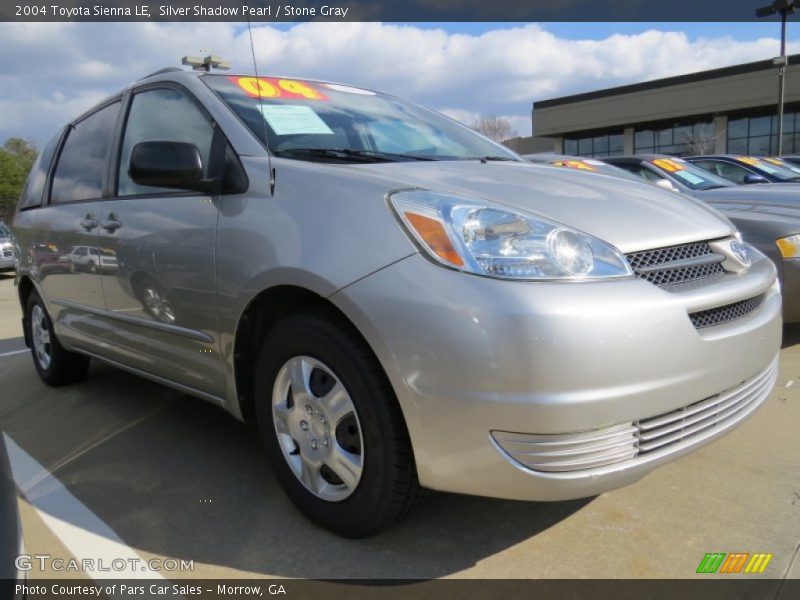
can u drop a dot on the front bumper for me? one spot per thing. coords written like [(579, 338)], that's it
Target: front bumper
[(468, 356), (7, 263)]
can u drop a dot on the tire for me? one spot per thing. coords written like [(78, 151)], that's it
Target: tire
[(387, 487), (57, 366)]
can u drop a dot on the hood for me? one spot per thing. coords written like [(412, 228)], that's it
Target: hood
[(630, 215)]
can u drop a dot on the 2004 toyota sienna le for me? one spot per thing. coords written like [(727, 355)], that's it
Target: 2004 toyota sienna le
[(395, 301)]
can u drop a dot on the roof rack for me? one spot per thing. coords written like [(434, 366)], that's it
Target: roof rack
[(160, 71)]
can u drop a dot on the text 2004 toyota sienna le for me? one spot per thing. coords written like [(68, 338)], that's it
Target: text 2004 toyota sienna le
[(397, 302)]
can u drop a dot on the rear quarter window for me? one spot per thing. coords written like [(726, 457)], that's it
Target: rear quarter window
[(33, 192), (81, 163)]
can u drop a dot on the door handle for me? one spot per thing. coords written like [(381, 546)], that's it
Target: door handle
[(111, 224), (89, 222)]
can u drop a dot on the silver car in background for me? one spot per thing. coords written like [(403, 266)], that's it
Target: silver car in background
[(8, 262), (397, 302)]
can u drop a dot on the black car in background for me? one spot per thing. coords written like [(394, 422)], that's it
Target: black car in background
[(747, 169), (767, 215)]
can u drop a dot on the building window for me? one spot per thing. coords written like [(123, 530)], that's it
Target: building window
[(677, 139), (606, 144), (758, 134)]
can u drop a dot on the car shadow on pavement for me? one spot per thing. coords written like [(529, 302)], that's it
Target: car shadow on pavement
[(791, 335), (177, 477)]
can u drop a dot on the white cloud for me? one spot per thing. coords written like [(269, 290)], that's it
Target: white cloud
[(60, 69)]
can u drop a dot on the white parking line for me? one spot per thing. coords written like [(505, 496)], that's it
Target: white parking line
[(13, 352), (84, 534)]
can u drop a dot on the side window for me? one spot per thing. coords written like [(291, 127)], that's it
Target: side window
[(649, 175), (82, 162), (34, 187), (162, 114), (729, 171), (640, 171)]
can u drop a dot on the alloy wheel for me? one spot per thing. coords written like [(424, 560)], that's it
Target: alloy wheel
[(318, 429)]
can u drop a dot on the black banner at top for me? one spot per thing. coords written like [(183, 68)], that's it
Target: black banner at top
[(263, 11)]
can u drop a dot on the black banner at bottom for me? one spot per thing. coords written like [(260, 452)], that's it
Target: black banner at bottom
[(453, 589)]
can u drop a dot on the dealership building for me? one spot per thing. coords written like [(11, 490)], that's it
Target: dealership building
[(727, 110)]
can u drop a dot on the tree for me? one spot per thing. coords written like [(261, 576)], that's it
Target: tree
[(493, 127), (16, 159)]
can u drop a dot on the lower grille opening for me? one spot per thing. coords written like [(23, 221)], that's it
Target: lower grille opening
[(725, 314), (632, 441)]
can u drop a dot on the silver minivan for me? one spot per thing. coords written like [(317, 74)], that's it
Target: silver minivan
[(396, 302)]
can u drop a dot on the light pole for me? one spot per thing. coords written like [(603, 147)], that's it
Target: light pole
[(784, 8)]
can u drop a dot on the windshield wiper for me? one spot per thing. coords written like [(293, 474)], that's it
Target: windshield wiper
[(350, 154)]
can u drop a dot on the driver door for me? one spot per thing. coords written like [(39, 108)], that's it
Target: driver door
[(161, 282)]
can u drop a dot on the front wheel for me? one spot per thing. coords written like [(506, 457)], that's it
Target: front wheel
[(55, 365), (332, 427)]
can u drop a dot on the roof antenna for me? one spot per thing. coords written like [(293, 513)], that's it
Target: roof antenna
[(207, 63), (261, 109)]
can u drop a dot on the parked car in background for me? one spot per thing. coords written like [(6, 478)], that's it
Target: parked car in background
[(90, 258), (746, 169), (396, 301), (794, 159), (588, 165), (8, 261), (767, 215)]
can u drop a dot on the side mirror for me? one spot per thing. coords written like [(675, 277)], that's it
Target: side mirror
[(167, 164), (666, 184), (754, 178)]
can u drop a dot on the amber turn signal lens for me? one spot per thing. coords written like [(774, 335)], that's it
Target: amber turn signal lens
[(432, 232)]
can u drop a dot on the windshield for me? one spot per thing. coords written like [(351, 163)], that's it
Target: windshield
[(689, 175), (310, 120), (783, 164), (777, 167), (4, 231)]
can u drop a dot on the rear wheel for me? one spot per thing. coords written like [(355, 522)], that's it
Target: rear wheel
[(55, 365), (332, 427)]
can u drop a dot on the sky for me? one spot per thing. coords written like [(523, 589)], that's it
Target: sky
[(55, 71)]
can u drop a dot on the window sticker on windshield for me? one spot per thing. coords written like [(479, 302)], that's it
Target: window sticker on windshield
[(690, 177), (575, 164), (749, 160), (268, 87), (347, 89), (287, 119), (668, 164)]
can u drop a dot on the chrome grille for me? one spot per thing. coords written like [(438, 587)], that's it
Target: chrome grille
[(724, 314), (676, 264), (632, 441), (715, 412)]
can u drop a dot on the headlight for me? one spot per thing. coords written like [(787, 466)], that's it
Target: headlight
[(488, 239), (789, 246)]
